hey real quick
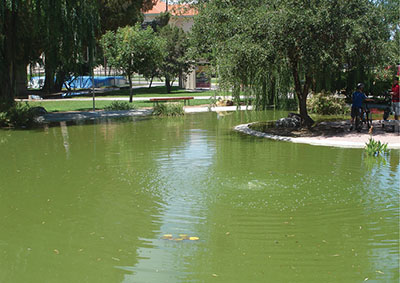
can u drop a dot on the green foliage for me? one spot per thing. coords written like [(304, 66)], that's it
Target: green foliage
[(65, 31), (376, 148), (116, 13), (3, 119), (159, 22), (326, 103), (133, 50), (68, 37), (18, 116), (275, 47), (175, 61), (169, 109), (119, 105), (285, 103)]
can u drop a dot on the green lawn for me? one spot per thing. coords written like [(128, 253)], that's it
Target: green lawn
[(73, 105), (158, 91)]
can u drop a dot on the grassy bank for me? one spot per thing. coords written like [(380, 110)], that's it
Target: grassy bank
[(158, 91), (74, 105)]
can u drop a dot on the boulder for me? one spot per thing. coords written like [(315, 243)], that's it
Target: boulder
[(293, 121), (38, 111)]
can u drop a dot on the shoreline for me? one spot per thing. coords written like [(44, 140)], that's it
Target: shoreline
[(350, 140), (88, 115)]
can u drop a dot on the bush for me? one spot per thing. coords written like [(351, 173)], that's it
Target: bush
[(325, 103), (119, 105), (169, 109), (3, 119), (20, 116)]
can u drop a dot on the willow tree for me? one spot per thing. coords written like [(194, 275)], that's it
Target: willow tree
[(231, 36), (72, 26), (64, 31), (69, 32), (250, 38), (18, 42)]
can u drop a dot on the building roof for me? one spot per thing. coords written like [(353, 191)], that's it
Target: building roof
[(174, 9)]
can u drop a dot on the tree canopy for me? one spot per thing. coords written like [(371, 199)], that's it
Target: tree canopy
[(120, 13), (132, 50), (175, 61), (65, 31), (264, 46)]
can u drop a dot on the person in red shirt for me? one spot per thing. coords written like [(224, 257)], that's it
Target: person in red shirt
[(396, 98)]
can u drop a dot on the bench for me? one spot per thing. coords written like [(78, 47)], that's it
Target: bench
[(166, 99)]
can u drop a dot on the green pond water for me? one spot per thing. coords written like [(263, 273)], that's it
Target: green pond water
[(91, 202)]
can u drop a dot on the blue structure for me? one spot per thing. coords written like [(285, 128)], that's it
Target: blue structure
[(99, 81), (83, 82)]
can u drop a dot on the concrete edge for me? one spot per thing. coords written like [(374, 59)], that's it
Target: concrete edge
[(244, 128), (72, 116), (216, 109)]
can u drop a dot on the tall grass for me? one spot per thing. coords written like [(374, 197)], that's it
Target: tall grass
[(119, 105), (169, 109)]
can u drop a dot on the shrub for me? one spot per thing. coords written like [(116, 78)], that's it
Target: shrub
[(20, 116), (376, 148), (325, 103), (119, 105), (169, 109), (3, 119)]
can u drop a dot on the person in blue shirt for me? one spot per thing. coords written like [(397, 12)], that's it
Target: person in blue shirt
[(358, 99)]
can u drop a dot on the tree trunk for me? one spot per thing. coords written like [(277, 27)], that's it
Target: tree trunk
[(49, 80), (151, 81), (168, 84), (7, 68), (301, 92), (181, 80), (130, 88), (21, 80), (8, 84), (305, 119), (60, 78)]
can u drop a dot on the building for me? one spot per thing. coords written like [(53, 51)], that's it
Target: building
[(182, 16)]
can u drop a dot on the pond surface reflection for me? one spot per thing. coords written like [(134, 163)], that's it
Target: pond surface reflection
[(92, 203)]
